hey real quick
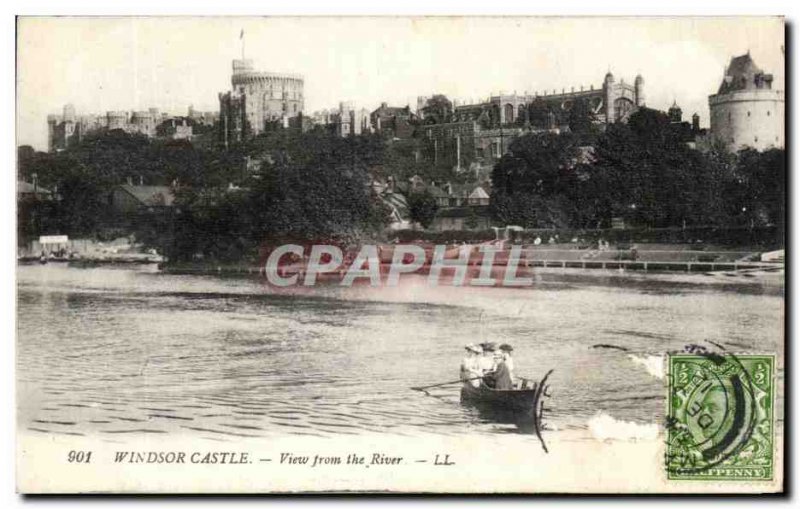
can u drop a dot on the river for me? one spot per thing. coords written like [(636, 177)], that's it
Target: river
[(121, 352)]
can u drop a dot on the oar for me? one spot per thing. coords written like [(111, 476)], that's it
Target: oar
[(445, 383)]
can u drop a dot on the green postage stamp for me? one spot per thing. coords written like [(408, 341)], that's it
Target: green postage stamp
[(720, 417)]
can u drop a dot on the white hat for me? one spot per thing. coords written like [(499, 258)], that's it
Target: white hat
[(472, 347)]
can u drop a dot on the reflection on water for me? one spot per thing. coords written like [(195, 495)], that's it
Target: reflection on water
[(122, 352)]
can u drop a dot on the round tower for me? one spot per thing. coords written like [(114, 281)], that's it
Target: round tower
[(639, 90), (267, 96), (116, 120), (608, 92), (746, 111)]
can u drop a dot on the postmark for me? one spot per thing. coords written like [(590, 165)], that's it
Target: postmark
[(720, 417)]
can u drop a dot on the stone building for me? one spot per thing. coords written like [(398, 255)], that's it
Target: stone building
[(70, 128), (746, 111), (349, 121), (393, 121), (206, 118), (483, 131), (346, 120), (258, 99)]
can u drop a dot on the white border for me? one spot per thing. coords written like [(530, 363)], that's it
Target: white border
[(789, 8)]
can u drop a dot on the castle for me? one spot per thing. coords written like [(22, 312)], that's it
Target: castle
[(613, 102), (482, 132), (746, 111), (257, 99), (69, 128)]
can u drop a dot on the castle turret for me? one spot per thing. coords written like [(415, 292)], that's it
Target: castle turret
[(746, 111), (675, 113), (695, 122), (52, 123), (116, 120), (608, 91), (639, 90), (69, 113)]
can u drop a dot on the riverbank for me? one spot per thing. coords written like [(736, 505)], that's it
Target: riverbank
[(642, 258), (94, 259)]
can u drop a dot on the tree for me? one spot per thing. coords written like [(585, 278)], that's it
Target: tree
[(422, 207), (761, 179), (645, 173), (437, 109), (541, 114), (534, 184), (581, 117)]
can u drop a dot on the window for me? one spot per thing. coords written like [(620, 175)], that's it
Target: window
[(768, 113), (748, 113), (756, 139)]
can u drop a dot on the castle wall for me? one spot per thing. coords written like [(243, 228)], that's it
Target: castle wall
[(748, 118)]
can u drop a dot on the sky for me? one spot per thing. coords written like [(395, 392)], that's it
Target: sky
[(101, 64)]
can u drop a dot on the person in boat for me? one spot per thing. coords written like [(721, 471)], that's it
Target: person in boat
[(500, 379), (471, 371), (489, 363), (506, 350), (487, 357)]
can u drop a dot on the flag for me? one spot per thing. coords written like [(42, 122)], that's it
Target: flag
[(241, 34)]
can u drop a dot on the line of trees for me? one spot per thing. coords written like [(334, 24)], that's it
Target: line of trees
[(642, 172), (227, 202), (315, 185)]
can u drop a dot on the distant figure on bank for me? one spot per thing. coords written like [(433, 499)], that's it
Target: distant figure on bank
[(471, 365)]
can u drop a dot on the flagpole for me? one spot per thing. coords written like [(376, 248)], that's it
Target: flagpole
[(241, 36)]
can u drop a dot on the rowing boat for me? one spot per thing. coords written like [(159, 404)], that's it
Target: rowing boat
[(517, 406), (522, 407)]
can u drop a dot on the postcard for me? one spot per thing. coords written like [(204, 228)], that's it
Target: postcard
[(444, 255)]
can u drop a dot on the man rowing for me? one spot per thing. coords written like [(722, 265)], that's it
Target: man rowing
[(501, 376), (506, 349), (496, 366)]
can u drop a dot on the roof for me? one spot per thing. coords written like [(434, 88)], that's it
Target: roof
[(436, 192), (392, 110), (151, 196), (742, 73), (28, 188), (397, 202), (455, 212), (479, 192)]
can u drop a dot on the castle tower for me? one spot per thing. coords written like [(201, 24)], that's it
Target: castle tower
[(746, 111), (266, 97), (69, 113), (695, 122), (608, 91), (116, 120), (675, 113), (639, 90), (52, 123), (421, 101)]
